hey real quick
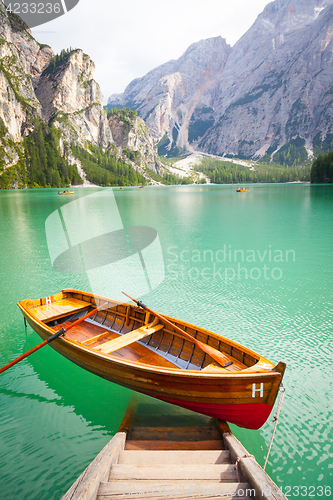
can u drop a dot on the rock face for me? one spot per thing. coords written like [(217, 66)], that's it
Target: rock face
[(282, 74), (19, 106), (273, 86), (130, 133), (72, 99), (167, 97), (60, 90)]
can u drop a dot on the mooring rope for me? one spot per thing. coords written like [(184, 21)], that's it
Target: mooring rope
[(237, 462), (282, 389)]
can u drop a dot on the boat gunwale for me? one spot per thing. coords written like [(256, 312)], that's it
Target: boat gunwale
[(76, 346), (203, 330)]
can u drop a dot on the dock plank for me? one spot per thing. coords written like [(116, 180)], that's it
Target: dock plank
[(175, 433), (176, 457), (180, 461), (176, 489), (173, 445), (211, 472)]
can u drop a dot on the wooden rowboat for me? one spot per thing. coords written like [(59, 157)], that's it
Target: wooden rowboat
[(65, 192), (241, 190), (134, 348)]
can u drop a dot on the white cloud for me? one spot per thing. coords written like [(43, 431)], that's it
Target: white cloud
[(128, 38)]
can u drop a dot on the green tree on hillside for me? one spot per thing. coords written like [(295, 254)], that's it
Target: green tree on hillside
[(223, 172), (44, 162), (322, 169), (104, 169)]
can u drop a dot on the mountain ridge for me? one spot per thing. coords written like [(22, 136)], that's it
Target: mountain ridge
[(272, 88), (49, 104), (156, 94)]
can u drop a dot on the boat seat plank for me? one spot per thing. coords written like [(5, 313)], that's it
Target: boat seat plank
[(215, 368), (128, 338), (81, 334), (58, 309)]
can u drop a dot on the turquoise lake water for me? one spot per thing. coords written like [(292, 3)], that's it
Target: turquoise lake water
[(256, 267)]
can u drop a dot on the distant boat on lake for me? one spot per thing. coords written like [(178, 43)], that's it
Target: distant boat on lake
[(241, 190), (66, 192)]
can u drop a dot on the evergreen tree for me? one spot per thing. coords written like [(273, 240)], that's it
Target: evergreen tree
[(45, 165), (105, 170), (322, 169)]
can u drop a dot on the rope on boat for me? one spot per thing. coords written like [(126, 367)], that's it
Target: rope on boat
[(282, 389), (237, 462)]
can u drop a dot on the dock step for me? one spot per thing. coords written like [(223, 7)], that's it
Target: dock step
[(172, 445), (174, 438), (172, 453), (175, 433), (174, 457), (192, 490), (210, 472)]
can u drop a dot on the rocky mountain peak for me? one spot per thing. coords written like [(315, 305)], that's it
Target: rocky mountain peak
[(175, 90), (273, 87), (133, 138), (39, 91), (18, 102), (288, 14), (68, 84)]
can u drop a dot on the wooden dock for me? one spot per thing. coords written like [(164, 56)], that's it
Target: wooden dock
[(163, 451)]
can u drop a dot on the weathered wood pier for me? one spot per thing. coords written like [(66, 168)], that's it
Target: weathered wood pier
[(163, 451)]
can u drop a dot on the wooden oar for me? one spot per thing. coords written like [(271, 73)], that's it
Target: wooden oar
[(50, 339), (213, 353)]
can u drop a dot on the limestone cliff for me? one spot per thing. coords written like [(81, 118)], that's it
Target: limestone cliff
[(167, 96), (277, 84), (133, 137), (72, 100), (39, 87), (19, 107), (273, 87)]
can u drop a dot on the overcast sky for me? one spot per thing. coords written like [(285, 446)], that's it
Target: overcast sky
[(128, 38)]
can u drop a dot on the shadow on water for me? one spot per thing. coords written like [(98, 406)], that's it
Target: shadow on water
[(74, 387), (99, 402)]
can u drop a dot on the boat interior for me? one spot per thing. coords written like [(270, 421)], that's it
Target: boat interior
[(126, 331)]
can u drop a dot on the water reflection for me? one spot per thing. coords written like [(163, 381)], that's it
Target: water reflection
[(54, 416)]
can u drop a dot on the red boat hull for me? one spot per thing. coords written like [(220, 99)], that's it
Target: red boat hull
[(250, 416)]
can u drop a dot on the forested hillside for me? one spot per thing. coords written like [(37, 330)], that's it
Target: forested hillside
[(51, 108), (41, 163), (322, 169), (104, 169), (225, 172)]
